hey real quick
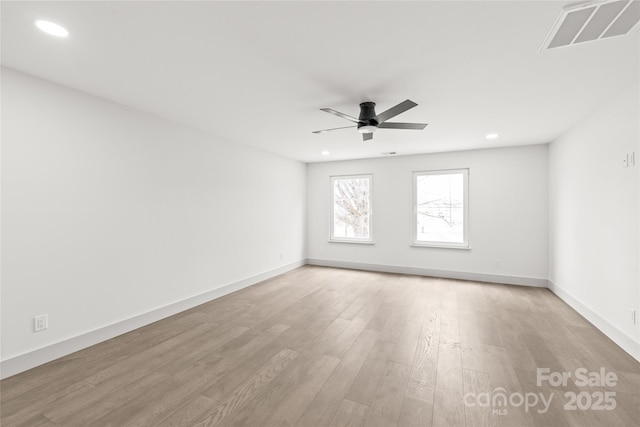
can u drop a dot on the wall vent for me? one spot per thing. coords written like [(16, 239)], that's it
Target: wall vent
[(593, 21)]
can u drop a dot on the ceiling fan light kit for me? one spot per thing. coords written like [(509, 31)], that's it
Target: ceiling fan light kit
[(368, 121), (367, 128)]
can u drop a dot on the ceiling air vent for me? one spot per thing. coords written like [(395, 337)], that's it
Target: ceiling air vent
[(593, 21)]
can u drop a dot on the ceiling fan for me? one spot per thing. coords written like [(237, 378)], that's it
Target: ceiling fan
[(368, 122)]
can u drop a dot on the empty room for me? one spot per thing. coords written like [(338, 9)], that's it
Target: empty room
[(320, 214)]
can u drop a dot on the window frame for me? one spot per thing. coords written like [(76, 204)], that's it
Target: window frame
[(465, 244), (356, 240)]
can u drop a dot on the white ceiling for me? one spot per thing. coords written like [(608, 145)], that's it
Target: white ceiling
[(258, 72)]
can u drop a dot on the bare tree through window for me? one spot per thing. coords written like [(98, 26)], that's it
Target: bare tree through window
[(351, 207)]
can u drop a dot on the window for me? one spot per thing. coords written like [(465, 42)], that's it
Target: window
[(440, 208), (351, 208)]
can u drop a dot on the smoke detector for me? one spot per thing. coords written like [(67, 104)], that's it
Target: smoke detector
[(593, 21)]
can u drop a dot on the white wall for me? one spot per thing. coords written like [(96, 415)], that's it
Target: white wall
[(594, 219), (109, 212), (508, 215)]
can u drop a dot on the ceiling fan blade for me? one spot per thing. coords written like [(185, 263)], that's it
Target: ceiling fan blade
[(367, 136), (394, 111), (339, 114), (328, 130), (392, 125)]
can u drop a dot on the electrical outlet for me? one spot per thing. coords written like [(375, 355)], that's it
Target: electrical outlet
[(625, 160), (496, 263), (40, 323), (280, 256), (632, 158), (633, 317)]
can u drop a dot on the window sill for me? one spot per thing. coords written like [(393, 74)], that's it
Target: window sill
[(435, 245), (357, 242)]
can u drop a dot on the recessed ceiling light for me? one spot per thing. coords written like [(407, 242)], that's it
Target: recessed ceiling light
[(52, 28), (491, 136), (325, 153)]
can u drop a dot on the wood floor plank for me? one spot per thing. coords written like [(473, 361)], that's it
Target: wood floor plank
[(127, 411), (321, 410), (365, 384), (186, 388), (346, 339), (390, 304), (449, 321), (627, 382), (350, 414), (78, 412), (193, 409), (475, 356), (329, 335), (502, 377), (476, 328), (448, 407), (354, 308), (415, 413), (147, 359), (359, 323), (237, 373), (211, 347), (405, 348), (555, 415), (629, 408), (301, 388), (18, 410), (247, 391), (37, 421), (422, 380), (476, 384), (389, 398), (242, 347)]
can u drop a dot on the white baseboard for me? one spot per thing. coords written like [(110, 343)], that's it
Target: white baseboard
[(31, 359), (625, 342), (446, 274)]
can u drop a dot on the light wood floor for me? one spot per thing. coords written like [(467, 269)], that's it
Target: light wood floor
[(330, 347)]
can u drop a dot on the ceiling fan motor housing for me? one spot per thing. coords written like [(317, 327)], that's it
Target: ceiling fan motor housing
[(367, 114)]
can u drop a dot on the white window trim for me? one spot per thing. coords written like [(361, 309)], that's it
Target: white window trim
[(367, 241), (414, 217)]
